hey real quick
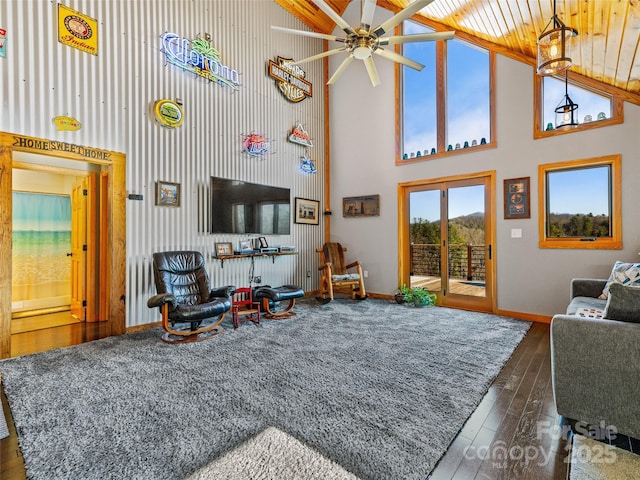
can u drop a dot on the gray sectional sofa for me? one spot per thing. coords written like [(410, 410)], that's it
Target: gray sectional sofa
[(596, 362)]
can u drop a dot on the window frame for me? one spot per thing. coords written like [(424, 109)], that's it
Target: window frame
[(441, 107), (617, 106), (614, 242)]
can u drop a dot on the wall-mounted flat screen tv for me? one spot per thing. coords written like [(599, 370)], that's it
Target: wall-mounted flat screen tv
[(243, 207)]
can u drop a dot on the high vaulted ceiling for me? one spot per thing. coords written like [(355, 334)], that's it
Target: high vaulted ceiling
[(607, 48)]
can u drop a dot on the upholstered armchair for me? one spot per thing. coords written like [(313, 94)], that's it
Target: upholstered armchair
[(191, 310)]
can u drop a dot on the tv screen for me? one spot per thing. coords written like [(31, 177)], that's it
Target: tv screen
[(243, 207)]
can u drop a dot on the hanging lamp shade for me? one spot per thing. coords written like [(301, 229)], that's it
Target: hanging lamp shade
[(567, 109), (553, 46)]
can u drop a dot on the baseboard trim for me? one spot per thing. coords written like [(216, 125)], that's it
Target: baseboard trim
[(140, 328), (532, 317)]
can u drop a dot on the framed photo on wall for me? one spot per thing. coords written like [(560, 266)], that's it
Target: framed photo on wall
[(367, 206), (307, 211), (517, 198), (167, 194)]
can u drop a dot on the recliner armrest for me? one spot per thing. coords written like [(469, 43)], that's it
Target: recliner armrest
[(160, 299), (226, 291), (587, 287)]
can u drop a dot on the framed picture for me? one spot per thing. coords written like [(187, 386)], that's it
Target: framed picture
[(245, 246), (366, 206), (167, 194), (517, 199), (223, 248), (307, 211), (263, 242)]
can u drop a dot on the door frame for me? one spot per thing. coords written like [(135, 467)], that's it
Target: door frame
[(404, 263), (116, 232)]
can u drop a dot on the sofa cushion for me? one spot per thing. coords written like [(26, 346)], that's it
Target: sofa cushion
[(585, 302), (623, 303), (624, 273)]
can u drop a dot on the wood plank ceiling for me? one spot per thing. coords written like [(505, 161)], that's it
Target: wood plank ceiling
[(606, 48)]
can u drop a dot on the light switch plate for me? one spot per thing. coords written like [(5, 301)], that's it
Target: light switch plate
[(516, 233)]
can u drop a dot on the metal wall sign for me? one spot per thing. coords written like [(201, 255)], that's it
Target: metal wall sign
[(63, 122), (290, 79), (77, 30), (199, 57), (168, 113)]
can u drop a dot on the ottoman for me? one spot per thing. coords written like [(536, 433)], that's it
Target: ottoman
[(269, 297)]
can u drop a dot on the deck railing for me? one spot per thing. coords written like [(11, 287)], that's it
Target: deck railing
[(466, 261)]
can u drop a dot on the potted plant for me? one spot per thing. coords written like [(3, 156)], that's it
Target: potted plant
[(401, 294), (421, 297)]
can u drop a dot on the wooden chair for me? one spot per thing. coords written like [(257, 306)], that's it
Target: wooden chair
[(336, 276), (245, 306)]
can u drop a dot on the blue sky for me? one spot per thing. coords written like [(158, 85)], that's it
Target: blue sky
[(580, 191), (468, 94), (462, 201)]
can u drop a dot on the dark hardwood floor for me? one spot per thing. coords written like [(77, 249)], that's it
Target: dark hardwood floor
[(513, 434)]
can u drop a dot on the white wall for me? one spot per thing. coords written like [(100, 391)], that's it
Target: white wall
[(363, 144), (112, 93)]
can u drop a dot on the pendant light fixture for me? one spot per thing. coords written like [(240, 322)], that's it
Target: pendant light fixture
[(567, 110), (552, 46)]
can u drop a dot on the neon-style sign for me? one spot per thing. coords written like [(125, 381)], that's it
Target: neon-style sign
[(199, 57), (256, 145)]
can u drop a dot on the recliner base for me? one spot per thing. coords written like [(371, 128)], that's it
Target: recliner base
[(169, 337)]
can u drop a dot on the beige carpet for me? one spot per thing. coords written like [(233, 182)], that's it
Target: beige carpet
[(592, 460), (272, 454)]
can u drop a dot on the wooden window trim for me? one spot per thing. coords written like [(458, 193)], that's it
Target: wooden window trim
[(441, 93), (612, 243), (617, 107)]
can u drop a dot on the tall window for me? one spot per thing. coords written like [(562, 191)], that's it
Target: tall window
[(444, 112), (580, 204)]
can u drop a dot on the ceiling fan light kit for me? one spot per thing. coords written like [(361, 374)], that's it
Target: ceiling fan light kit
[(553, 57), (361, 43)]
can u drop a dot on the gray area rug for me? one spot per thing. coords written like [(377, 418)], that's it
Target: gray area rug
[(378, 388), (593, 460)]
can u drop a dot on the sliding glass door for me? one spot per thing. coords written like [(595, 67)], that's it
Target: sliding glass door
[(446, 240)]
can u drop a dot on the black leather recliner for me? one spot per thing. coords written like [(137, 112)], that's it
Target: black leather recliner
[(185, 298)]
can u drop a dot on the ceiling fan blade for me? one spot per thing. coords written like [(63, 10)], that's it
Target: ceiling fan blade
[(307, 34), (401, 16), (416, 37), (319, 55), (368, 9), (396, 57), (340, 69), (371, 70), (334, 16)]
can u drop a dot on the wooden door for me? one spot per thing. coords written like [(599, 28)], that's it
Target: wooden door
[(78, 248)]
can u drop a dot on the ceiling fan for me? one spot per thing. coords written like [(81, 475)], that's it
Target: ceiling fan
[(362, 42)]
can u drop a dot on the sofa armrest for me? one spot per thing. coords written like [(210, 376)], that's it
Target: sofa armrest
[(587, 287), (595, 366)]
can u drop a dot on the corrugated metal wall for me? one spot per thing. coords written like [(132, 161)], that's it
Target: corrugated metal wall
[(112, 93)]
